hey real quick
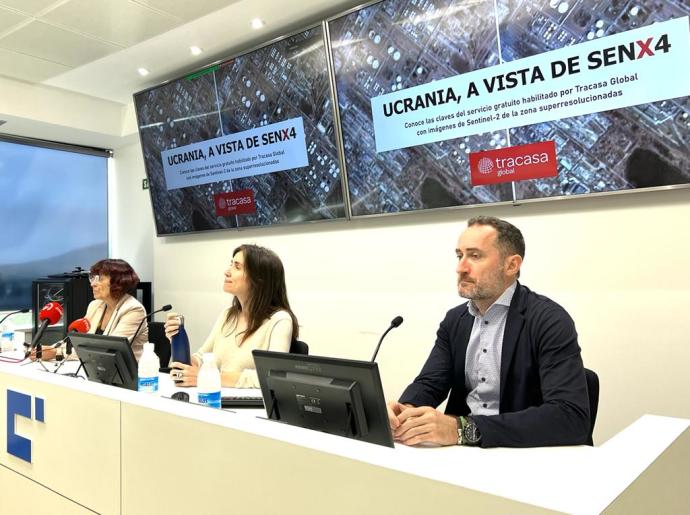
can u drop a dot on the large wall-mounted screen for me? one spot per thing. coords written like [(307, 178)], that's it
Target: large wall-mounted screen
[(387, 48), (449, 103), (247, 142), (638, 145)]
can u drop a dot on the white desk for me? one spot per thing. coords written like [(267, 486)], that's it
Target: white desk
[(115, 451)]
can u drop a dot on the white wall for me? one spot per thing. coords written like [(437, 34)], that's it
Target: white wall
[(618, 264), (44, 112), (130, 222)]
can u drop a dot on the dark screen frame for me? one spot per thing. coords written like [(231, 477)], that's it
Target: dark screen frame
[(107, 359), (246, 53), (363, 374)]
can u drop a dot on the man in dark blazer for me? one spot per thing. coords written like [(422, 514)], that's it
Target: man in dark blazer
[(509, 358)]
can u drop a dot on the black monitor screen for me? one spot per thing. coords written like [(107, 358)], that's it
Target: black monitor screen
[(338, 396), (107, 359)]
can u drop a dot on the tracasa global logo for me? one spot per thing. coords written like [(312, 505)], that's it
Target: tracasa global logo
[(531, 161), (485, 165), (239, 202)]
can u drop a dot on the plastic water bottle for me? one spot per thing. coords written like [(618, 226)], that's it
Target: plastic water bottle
[(208, 382), (180, 345), (6, 338), (148, 370)]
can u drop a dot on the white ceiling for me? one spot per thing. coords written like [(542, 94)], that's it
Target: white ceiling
[(94, 47)]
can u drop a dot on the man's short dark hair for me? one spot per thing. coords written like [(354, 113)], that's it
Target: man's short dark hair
[(509, 239)]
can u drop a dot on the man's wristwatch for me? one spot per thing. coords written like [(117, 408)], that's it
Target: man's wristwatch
[(468, 432)]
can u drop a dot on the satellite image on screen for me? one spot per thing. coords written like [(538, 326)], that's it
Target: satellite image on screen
[(395, 45), (284, 80), (634, 147)]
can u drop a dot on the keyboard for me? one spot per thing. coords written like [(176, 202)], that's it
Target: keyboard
[(241, 402)]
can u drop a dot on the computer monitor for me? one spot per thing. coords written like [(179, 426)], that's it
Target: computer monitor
[(107, 359), (338, 396)]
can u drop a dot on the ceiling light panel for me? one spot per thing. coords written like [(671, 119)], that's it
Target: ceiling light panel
[(28, 68), (187, 10), (57, 45), (122, 23), (9, 19), (31, 7)]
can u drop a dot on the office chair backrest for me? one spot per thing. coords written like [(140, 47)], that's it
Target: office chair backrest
[(593, 394), (299, 347), (161, 345)]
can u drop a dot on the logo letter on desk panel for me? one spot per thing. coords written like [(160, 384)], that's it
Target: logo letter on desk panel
[(20, 404)]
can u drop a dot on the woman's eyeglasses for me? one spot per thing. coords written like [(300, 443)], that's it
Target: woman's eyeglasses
[(94, 278)]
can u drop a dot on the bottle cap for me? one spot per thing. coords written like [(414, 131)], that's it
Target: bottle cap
[(209, 357)]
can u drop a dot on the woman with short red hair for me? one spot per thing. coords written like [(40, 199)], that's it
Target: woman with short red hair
[(113, 311)]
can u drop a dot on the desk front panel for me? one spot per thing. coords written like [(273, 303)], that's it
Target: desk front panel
[(74, 450), (183, 465)]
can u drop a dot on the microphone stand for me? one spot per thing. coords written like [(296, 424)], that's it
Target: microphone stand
[(373, 358), (148, 317), (67, 354), (39, 355), (395, 323)]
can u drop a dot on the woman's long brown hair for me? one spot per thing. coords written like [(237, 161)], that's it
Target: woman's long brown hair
[(267, 291)]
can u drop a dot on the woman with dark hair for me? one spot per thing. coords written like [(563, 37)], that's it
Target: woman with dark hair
[(113, 311), (259, 318)]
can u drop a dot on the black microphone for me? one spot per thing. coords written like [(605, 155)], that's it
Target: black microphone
[(394, 323), (50, 314), (25, 310), (167, 307)]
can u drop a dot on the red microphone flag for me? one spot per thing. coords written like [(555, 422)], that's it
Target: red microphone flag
[(80, 325), (52, 312)]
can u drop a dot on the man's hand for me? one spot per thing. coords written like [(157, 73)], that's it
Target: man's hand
[(425, 425), (394, 409)]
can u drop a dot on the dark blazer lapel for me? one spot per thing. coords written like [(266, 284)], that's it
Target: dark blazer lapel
[(463, 339), (457, 404), (511, 334)]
